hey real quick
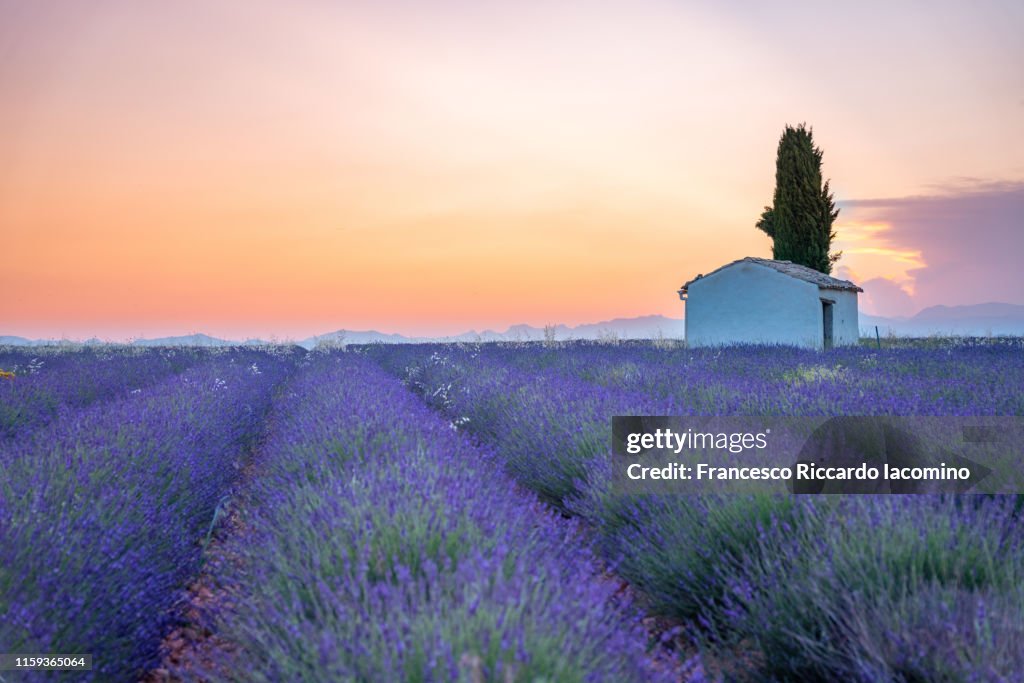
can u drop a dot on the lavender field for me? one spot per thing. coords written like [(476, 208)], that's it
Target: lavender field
[(444, 513)]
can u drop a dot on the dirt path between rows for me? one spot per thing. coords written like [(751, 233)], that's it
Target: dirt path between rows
[(194, 648)]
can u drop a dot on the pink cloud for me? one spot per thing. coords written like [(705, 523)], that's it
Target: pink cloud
[(882, 296), (970, 235)]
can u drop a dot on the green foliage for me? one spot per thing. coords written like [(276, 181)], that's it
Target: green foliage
[(767, 222), (803, 211), (888, 589), (686, 554)]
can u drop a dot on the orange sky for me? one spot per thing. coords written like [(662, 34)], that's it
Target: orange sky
[(258, 169)]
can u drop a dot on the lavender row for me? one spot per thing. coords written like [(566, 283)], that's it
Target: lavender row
[(48, 382), (547, 426), (957, 377), (886, 588), (750, 569), (552, 432), (384, 546), (530, 399), (103, 512)]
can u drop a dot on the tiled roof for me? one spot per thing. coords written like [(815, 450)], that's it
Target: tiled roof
[(793, 270)]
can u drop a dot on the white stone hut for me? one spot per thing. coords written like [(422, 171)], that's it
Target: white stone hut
[(761, 301)]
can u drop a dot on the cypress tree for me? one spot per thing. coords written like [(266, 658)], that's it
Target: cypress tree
[(803, 211)]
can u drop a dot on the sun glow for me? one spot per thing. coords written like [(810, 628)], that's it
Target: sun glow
[(867, 253), (259, 168)]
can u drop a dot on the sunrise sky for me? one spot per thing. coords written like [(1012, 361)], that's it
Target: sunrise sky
[(291, 168)]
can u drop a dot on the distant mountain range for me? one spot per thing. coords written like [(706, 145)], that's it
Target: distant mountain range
[(645, 327), (188, 340), (973, 320), (185, 340)]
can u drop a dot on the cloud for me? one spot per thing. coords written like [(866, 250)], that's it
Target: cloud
[(882, 296), (885, 296), (969, 235)]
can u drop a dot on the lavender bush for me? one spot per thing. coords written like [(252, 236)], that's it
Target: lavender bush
[(49, 381), (102, 513), (939, 633), (896, 588), (960, 377), (386, 547), (546, 426)]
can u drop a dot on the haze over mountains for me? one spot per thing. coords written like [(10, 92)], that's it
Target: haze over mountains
[(645, 327), (972, 320)]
